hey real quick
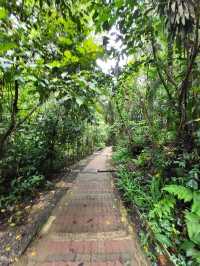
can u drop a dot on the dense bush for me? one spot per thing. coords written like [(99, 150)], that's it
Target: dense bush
[(49, 92), (164, 184), (54, 99), (156, 100)]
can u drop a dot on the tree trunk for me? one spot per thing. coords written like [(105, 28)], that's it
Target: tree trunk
[(170, 54), (6, 135)]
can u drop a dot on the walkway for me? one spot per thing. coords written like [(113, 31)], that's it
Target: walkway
[(88, 227)]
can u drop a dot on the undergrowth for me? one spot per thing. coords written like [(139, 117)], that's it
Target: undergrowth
[(163, 184)]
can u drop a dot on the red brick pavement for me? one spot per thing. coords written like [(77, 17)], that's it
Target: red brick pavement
[(86, 228)]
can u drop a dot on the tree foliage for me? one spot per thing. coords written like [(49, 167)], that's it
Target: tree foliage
[(53, 98), (156, 99), (49, 91)]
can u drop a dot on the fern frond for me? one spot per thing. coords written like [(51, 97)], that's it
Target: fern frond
[(163, 207), (193, 226), (196, 203), (181, 192)]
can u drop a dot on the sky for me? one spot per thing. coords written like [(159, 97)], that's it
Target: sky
[(109, 63)]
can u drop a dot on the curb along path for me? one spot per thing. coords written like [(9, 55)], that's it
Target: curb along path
[(88, 227)]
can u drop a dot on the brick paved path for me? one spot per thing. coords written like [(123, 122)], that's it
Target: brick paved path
[(88, 227)]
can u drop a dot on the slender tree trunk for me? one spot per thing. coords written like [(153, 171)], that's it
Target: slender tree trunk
[(11, 128), (184, 133), (124, 124), (162, 78), (170, 54)]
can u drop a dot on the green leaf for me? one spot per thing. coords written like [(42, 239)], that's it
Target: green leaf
[(163, 207), (5, 46), (64, 40), (64, 99), (119, 3), (3, 13), (194, 253), (196, 203), (163, 239), (187, 244), (80, 100), (55, 63), (193, 226), (69, 57), (181, 192)]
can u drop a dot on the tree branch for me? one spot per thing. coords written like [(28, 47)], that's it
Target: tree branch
[(159, 71), (28, 115), (170, 78)]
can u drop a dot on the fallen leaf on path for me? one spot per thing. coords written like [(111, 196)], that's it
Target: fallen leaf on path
[(8, 248), (12, 224), (18, 237), (162, 260), (15, 259), (33, 253)]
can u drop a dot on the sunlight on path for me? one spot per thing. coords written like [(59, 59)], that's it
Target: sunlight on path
[(88, 226)]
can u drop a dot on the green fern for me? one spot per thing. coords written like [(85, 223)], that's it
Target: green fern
[(193, 226), (192, 218), (162, 208), (196, 203), (181, 192)]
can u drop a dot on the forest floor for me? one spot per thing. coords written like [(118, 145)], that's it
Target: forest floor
[(89, 225)]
